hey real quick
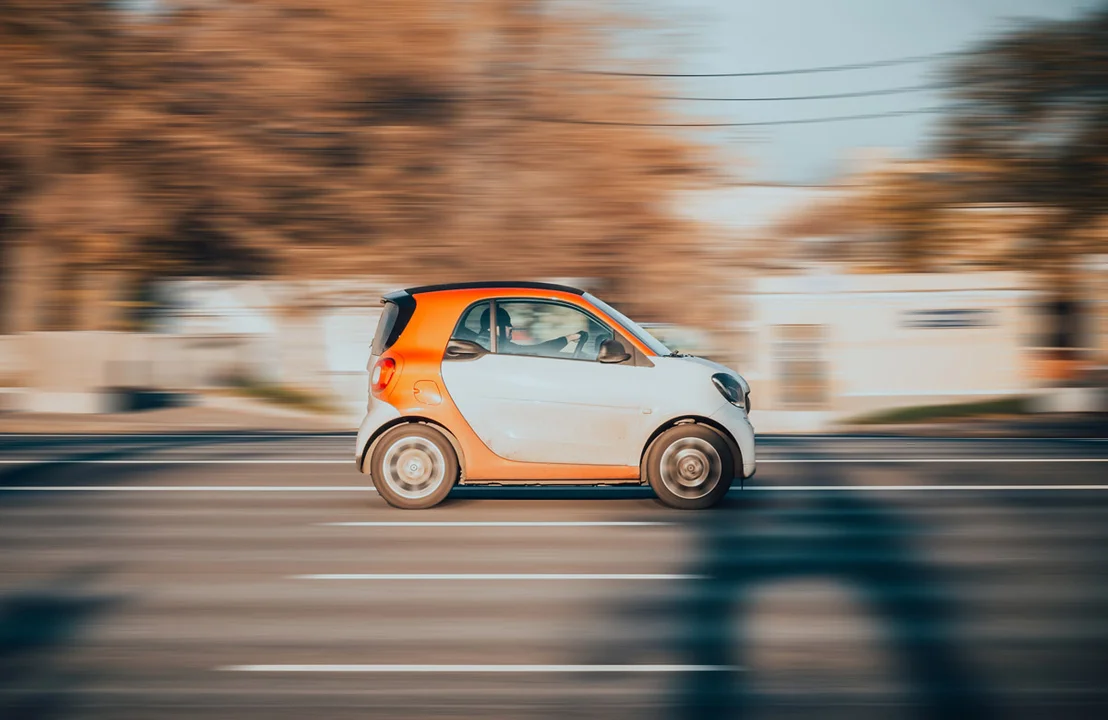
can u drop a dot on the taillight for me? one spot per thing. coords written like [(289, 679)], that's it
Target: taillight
[(382, 374)]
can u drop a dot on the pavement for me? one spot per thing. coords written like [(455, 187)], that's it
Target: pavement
[(256, 574), (224, 412), (203, 413)]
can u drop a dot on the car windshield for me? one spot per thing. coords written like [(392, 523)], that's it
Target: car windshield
[(629, 325)]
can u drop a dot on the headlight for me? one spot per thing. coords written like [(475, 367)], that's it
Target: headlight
[(730, 389)]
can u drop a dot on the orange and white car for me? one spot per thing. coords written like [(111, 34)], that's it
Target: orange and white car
[(533, 383)]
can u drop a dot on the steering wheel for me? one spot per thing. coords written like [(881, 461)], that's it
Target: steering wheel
[(584, 337)]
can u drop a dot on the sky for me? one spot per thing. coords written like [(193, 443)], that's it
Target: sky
[(721, 36), (718, 36)]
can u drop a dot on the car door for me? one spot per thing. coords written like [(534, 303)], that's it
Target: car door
[(532, 401)]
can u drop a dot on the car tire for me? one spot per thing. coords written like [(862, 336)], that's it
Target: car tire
[(689, 467), (413, 466)]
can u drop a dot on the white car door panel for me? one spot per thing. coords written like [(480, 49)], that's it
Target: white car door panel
[(553, 410)]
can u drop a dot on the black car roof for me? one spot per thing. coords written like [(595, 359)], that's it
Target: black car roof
[(494, 286)]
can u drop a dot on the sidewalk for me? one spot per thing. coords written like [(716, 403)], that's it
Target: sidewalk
[(208, 414), (226, 414), (1061, 425)]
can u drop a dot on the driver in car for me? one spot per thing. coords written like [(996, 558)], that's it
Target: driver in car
[(504, 344)]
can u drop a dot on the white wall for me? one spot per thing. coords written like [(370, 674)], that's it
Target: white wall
[(890, 341), (312, 334), (348, 335)]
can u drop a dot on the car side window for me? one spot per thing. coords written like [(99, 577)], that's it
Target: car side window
[(470, 326), (547, 329)]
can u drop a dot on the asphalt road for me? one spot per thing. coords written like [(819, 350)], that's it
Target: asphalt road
[(243, 576)]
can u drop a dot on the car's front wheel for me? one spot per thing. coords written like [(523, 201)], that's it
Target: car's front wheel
[(413, 466), (689, 467)]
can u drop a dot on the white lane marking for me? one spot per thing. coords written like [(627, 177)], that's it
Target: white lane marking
[(769, 438), (479, 668), (900, 460), (498, 523), (493, 576), (343, 488), (197, 434), (186, 488), (331, 461), (788, 439), (175, 461), (914, 488)]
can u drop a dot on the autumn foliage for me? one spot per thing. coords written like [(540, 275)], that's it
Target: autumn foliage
[(421, 140)]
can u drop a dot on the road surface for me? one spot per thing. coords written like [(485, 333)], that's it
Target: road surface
[(257, 576)]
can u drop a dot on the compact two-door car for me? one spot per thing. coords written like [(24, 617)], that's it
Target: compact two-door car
[(535, 383)]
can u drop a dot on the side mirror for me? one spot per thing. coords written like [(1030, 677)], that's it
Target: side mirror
[(612, 351), (463, 350)]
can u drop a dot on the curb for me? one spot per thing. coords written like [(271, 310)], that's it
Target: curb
[(254, 407)]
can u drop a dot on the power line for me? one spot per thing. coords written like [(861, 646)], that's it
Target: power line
[(799, 121), (767, 73), (833, 96)]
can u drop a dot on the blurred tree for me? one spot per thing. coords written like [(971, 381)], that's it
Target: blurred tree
[(417, 139), (1023, 151), (884, 217), (1032, 105)]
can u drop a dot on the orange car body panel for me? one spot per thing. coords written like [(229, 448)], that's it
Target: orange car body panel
[(419, 354)]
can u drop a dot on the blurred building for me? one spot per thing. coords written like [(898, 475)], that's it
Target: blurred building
[(843, 304), (212, 335), (311, 336), (829, 347)]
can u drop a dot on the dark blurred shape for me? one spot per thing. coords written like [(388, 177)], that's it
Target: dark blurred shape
[(139, 399), (756, 543), (35, 626), (841, 537)]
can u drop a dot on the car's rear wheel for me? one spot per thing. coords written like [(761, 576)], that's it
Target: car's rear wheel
[(689, 466), (413, 466)]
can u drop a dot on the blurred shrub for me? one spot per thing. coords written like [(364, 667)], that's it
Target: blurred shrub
[(279, 394), (954, 411)]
